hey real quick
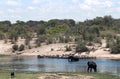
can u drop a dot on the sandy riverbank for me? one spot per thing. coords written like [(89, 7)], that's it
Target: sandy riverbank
[(58, 49)]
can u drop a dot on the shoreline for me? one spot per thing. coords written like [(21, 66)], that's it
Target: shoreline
[(114, 57)]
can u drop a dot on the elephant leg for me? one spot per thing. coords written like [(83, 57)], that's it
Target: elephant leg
[(95, 69), (88, 69)]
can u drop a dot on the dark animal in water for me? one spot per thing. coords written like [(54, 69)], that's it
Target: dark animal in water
[(12, 74), (39, 56), (91, 65), (72, 58)]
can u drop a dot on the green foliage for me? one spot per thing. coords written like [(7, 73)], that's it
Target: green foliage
[(49, 41), (27, 39), (21, 48), (68, 48), (64, 39), (61, 39), (78, 38), (97, 40), (108, 33), (90, 37), (57, 29), (109, 42), (81, 47), (2, 36), (115, 48), (15, 47), (38, 42)]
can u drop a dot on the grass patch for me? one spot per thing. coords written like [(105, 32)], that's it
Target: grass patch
[(31, 75)]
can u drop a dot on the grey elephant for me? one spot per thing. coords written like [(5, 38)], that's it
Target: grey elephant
[(91, 65), (72, 59)]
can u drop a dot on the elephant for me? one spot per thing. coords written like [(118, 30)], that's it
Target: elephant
[(91, 65), (72, 59)]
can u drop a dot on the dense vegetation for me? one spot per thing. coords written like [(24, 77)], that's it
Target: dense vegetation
[(64, 31)]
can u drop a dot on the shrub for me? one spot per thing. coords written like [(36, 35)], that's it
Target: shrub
[(90, 44), (38, 42), (115, 48), (49, 41), (21, 48), (78, 38), (81, 48), (61, 39), (15, 47), (98, 40), (109, 43), (68, 48)]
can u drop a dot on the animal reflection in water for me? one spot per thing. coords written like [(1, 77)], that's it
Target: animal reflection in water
[(91, 65), (72, 59)]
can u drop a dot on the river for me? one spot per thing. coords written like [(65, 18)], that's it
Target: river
[(33, 64)]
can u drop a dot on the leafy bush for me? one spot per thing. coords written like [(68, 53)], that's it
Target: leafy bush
[(21, 48), (68, 48), (15, 47), (49, 41), (38, 42), (81, 48), (97, 40), (57, 29), (78, 38), (115, 48), (63, 39), (109, 43)]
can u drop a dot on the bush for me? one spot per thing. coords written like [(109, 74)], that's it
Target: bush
[(109, 43), (90, 44), (77, 39), (49, 41), (68, 48), (81, 48), (38, 42), (21, 48), (98, 40), (115, 48), (15, 47), (63, 39)]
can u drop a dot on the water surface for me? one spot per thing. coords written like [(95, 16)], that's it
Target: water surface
[(33, 64)]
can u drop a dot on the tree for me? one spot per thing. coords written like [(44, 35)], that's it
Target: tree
[(108, 21), (81, 29)]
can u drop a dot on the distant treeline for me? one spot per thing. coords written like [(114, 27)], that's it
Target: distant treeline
[(65, 30)]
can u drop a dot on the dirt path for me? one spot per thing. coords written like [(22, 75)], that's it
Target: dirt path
[(64, 76)]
